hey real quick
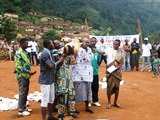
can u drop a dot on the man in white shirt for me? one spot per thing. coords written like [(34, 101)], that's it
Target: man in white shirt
[(29, 49), (146, 53), (33, 51), (102, 48)]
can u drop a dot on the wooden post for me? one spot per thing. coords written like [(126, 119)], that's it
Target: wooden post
[(87, 27), (139, 31)]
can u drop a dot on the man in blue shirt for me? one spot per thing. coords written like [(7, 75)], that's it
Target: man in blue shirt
[(46, 79)]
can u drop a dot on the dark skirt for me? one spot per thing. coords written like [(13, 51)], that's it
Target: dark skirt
[(113, 82), (134, 60)]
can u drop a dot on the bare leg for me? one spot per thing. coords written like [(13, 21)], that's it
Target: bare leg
[(116, 99), (50, 110), (43, 112), (109, 100)]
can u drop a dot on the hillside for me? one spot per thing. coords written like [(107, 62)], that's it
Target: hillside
[(119, 15)]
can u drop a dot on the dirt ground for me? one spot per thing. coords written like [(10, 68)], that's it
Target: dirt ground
[(138, 98)]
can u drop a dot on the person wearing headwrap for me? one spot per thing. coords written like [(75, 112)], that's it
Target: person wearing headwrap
[(64, 84)]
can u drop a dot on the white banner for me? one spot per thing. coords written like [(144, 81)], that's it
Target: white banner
[(108, 40)]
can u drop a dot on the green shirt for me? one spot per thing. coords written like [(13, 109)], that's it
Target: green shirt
[(23, 66), (95, 60)]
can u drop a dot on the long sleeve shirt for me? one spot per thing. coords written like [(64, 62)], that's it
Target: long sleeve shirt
[(23, 66)]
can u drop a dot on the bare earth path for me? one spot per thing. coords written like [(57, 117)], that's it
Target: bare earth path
[(139, 97)]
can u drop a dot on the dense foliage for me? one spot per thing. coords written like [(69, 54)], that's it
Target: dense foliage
[(8, 29), (51, 35), (115, 16)]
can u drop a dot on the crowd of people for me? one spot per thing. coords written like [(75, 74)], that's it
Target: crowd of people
[(137, 57), (143, 59), (12, 47), (69, 75)]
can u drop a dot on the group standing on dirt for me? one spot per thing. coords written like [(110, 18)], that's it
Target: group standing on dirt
[(69, 75), (142, 58)]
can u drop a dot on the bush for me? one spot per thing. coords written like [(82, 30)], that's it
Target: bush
[(51, 35), (8, 29)]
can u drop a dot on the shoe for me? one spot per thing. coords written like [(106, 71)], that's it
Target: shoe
[(89, 110), (77, 111), (29, 109), (96, 104), (52, 118), (24, 113), (89, 104), (73, 114)]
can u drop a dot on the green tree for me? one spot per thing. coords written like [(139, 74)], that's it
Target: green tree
[(26, 6), (103, 31), (8, 29), (17, 2), (93, 16), (51, 35), (154, 37)]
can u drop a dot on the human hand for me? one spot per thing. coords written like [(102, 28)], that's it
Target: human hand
[(61, 59), (103, 53), (33, 72)]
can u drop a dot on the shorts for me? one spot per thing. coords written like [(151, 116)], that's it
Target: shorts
[(48, 94)]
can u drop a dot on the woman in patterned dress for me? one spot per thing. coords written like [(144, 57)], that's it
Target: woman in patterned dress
[(65, 89)]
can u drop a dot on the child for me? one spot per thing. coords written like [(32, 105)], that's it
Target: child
[(155, 61)]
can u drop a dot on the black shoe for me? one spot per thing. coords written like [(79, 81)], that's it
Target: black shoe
[(52, 118), (89, 110), (61, 116), (77, 111), (55, 110), (73, 114)]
